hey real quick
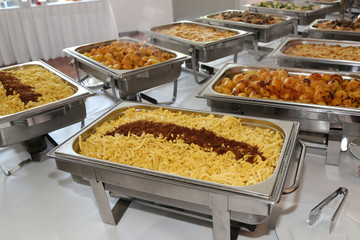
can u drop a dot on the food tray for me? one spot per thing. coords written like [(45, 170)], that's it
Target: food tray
[(304, 17), (334, 5), (177, 191), (128, 82), (37, 121), (266, 33), (314, 32), (312, 117), (309, 62), (201, 51)]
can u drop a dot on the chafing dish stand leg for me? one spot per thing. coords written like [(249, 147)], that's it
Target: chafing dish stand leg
[(220, 217), (334, 139), (108, 215)]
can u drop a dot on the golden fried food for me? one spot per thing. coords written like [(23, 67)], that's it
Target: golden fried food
[(126, 55), (196, 33), (339, 25), (316, 88), (223, 150)]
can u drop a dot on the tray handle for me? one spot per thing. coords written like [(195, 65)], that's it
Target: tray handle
[(45, 117), (299, 168)]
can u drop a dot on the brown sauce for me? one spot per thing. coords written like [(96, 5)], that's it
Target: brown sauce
[(201, 137), (12, 85)]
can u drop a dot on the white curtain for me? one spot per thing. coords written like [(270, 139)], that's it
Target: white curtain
[(42, 32)]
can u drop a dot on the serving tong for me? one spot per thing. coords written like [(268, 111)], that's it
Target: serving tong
[(315, 212)]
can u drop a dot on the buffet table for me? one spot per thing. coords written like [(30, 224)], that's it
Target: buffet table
[(42, 32), (41, 202)]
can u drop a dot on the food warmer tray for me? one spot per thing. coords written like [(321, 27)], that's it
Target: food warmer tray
[(305, 17), (334, 5), (316, 120), (127, 83), (314, 32), (310, 62), (37, 121), (247, 204), (201, 51), (265, 33)]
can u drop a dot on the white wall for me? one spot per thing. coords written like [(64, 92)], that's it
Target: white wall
[(135, 15)]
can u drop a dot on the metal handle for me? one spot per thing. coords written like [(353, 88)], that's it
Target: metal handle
[(47, 116), (300, 165)]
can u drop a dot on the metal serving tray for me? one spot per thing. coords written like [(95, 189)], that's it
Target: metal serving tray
[(305, 17), (334, 5), (266, 33), (200, 51), (128, 82), (37, 121), (248, 204), (314, 32), (309, 62)]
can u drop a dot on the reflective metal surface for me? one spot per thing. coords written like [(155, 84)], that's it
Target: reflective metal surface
[(128, 82), (34, 122), (182, 192), (203, 51), (285, 60), (266, 33), (305, 17)]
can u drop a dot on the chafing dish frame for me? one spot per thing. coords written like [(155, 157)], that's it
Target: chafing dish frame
[(304, 17), (38, 121), (313, 118), (34, 122), (264, 33), (201, 51), (127, 84), (285, 60), (314, 32), (220, 201)]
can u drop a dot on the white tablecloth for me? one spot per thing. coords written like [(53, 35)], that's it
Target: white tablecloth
[(42, 32)]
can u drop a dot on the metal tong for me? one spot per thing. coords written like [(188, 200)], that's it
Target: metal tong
[(315, 212)]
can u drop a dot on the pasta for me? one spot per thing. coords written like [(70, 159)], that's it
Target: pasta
[(38, 81), (176, 156)]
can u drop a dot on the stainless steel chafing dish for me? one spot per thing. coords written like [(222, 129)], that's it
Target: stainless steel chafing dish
[(309, 62), (316, 120), (201, 51), (248, 204), (37, 121), (127, 83), (265, 32), (305, 17), (315, 32), (334, 5)]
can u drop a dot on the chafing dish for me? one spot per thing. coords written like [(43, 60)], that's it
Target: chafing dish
[(310, 62), (37, 121), (201, 51), (317, 120), (315, 32), (265, 32), (305, 17), (249, 204), (334, 5), (128, 82)]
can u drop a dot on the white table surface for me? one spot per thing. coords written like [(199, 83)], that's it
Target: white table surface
[(43, 203)]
